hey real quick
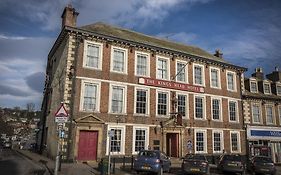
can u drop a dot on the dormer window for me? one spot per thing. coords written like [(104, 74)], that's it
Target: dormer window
[(278, 89), (266, 88), (253, 86)]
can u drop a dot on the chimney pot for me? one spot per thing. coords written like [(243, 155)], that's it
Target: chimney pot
[(218, 53)]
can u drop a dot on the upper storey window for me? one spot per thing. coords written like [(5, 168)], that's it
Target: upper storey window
[(198, 75), (92, 55), (215, 78), (253, 86), (119, 60), (231, 81), (266, 88), (278, 89), (181, 74), (163, 68), (142, 64)]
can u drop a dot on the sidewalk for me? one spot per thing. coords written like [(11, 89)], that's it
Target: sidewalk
[(66, 168)]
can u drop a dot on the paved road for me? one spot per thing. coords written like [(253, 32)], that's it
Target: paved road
[(13, 163)]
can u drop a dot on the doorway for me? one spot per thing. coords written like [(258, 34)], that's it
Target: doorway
[(172, 144)]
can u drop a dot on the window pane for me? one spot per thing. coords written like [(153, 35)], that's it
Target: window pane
[(140, 139), (162, 104), (232, 111), (230, 81), (199, 107), (199, 141), (214, 78), (142, 65), (162, 71), (182, 104), (117, 99), (90, 96), (118, 60), (92, 56), (115, 145), (216, 109), (181, 73), (256, 113), (198, 75), (141, 102)]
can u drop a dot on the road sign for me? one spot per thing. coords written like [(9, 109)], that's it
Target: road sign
[(189, 144), (61, 115)]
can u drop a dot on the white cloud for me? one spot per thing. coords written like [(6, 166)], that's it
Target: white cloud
[(181, 37)]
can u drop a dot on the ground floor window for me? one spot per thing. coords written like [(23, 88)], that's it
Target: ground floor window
[(117, 140), (200, 141)]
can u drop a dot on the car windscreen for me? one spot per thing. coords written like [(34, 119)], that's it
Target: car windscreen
[(148, 154), (263, 160)]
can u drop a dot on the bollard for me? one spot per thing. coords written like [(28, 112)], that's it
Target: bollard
[(124, 162), (113, 171), (132, 162)]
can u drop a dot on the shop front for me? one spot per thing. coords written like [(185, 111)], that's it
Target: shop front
[(265, 141)]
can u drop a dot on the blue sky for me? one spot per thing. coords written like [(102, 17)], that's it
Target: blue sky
[(247, 31)]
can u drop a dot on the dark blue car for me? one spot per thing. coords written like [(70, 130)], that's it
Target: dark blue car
[(152, 161)]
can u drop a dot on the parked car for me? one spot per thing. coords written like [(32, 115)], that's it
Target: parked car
[(195, 164), (261, 165), (232, 163), (152, 161)]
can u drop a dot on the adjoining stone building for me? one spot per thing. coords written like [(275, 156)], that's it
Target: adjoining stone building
[(150, 92), (262, 114)]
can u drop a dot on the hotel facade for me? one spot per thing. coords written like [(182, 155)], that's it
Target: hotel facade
[(145, 92)]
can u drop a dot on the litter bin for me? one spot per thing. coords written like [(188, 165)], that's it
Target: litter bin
[(103, 166)]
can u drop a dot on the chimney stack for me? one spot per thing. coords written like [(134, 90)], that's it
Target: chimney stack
[(258, 73), (69, 16), (218, 53)]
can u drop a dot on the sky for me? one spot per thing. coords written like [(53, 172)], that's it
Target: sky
[(248, 32)]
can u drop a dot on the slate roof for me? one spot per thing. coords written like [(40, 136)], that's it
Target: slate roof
[(105, 29)]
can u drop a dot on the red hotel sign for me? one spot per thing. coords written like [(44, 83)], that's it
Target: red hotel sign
[(170, 84)]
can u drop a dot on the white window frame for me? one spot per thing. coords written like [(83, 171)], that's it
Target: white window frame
[(273, 114), (123, 137), (219, 78), (220, 112), (83, 82), (204, 107), (267, 83), (278, 84), (185, 69), (134, 138), (251, 90), (125, 59), (260, 113), (168, 102), (124, 99), (147, 101), (204, 131), (147, 63), (203, 74), (168, 67), (234, 81), (100, 45), (238, 142), (186, 104), (236, 111), (221, 138)]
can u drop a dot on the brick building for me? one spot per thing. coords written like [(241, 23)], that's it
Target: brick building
[(150, 92), (262, 114)]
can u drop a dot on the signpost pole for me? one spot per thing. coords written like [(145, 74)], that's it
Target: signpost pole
[(58, 153)]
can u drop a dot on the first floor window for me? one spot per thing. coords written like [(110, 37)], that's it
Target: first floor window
[(232, 111), (216, 109), (182, 104), (142, 67), (199, 107), (162, 68), (230, 81), (140, 139), (141, 101), (217, 138), (119, 60), (215, 78), (162, 103), (198, 75), (90, 97), (234, 136), (115, 144), (117, 103), (269, 115), (181, 73), (256, 113), (200, 141)]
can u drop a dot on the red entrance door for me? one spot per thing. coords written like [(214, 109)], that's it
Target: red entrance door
[(172, 144), (87, 148)]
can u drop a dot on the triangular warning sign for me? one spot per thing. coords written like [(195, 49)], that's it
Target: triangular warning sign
[(61, 112)]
